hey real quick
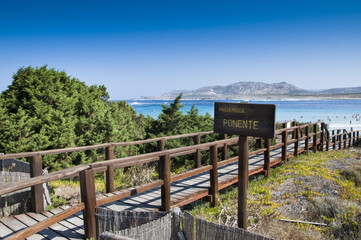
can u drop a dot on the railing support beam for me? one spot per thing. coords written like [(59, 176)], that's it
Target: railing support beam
[(315, 138), (284, 147), (109, 155), (242, 182), (37, 199), (307, 139), (87, 191), (213, 151), (225, 149), (165, 189), (267, 154), (197, 155)]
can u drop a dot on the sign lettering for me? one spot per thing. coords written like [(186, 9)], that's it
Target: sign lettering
[(245, 119)]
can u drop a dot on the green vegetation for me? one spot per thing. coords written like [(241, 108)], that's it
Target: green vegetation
[(46, 109), (322, 187)]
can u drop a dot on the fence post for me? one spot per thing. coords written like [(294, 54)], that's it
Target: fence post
[(339, 137), (349, 140), (225, 149), (37, 199), (284, 147), (260, 143), (353, 138), (327, 140), (197, 155), (242, 182), (87, 191), (345, 140), (322, 137), (214, 175), (315, 137), (296, 132), (165, 189), (109, 155), (307, 140), (161, 147), (333, 140), (267, 167), (358, 135)]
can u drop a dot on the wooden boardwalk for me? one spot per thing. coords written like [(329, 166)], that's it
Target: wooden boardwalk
[(182, 192)]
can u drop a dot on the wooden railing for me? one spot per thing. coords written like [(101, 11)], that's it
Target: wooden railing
[(314, 135)]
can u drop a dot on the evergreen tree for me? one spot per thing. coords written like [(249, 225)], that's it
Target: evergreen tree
[(46, 109)]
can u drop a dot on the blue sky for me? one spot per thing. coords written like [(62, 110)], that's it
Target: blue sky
[(145, 48)]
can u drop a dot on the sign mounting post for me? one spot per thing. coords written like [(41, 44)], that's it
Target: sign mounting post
[(243, 119)]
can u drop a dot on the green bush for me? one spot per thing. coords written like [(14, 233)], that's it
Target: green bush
[(46, 109)]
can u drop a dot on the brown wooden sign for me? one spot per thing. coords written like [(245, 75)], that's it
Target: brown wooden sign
[(243, 119)]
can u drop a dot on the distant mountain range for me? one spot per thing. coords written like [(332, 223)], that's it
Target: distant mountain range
[(241, 90)]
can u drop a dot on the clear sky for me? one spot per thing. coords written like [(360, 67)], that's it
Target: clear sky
[(145, 48)]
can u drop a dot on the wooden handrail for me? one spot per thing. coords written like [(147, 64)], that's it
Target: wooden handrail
[(97, 146), (319, 139)]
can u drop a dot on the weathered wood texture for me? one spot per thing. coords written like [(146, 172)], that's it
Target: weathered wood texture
[(143, 225), (177, 190)]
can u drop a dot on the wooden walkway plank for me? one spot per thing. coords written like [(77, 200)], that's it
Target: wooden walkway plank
[(67, 224), (15, 225), (29, 221), (58, 231), (5, 231)]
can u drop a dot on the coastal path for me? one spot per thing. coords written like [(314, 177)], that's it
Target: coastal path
[(202, 182)]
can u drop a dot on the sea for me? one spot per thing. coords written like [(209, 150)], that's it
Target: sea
[(336, 113)]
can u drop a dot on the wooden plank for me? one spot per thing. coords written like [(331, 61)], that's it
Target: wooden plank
[(15, 225), (4, 231), (242, 182), (79, 229), (213, 175), (31, 222), (76, 219), (37, 199), (58, 231), (87, 190), (109, 155)]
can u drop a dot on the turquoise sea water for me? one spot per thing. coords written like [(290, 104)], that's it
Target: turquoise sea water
[(342, 113)]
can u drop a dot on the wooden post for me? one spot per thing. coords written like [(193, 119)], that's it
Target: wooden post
[(242, 182), (339, 140), (225, 149), (349, 140), (322, 137), (358, 135), (161, 147), (297, 136), (267, 154), (315, 138), (327, 140), (345, 140), (87, 191), (294, 130), (284, 147), (165, 189), (37, 199), (307, 140), (353, 138), (214, 175), (333, 140), (197, 155), (260, 143), (109, 155)]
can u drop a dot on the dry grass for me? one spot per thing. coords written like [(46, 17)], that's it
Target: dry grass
[(323, 188)]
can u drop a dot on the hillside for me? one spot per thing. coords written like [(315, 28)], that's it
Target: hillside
[(323, 188), (241, 90)]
